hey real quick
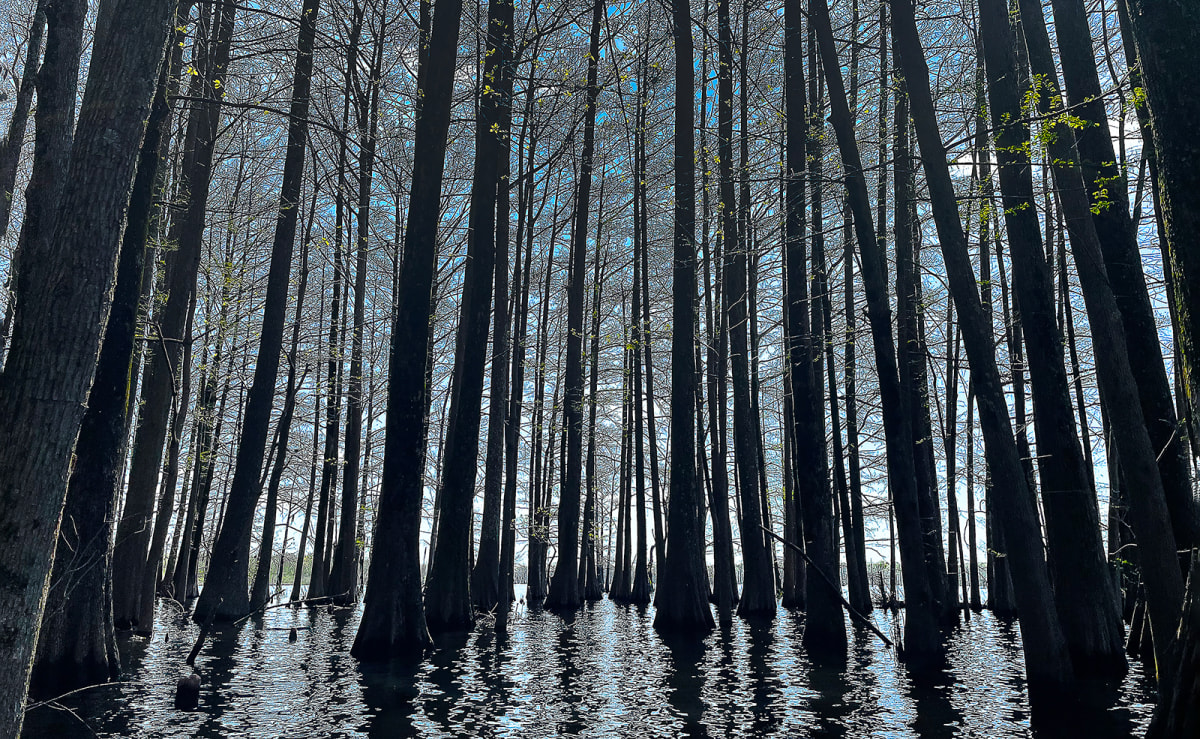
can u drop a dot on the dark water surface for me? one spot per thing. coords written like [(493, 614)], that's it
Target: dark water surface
[(607, 673)]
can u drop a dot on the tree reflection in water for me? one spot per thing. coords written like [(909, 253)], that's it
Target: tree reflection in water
[(602, 671)]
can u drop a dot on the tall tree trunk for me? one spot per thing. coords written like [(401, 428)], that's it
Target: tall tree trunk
[(1000, 597), (849, 491), (206, 415), (1066, 318), (485, 578), (1178, 714), (298, 575), (536, 575), (1151, 518), (564, 587), (554, 455), (207, 471), (825, 631), (166, 584), (1047, 664), (858, 586), (972, 536), (318, 579), (343, 585), (151, 573), (647, 339), (1167, 62), (76, 643), (921, 628), (225, 594), (512, 433), (912, 357), (162, 372), (758, 594), (860, 583), (954, 569), (1084, 594), (725, 587), (797, 335), (259, 589), (681, 601), (57, 86), (43, 390), (448, 587), (620, 587), (10, 156), (589, 583), (393, 621), (1108, 194), (640, 576), (818, 505)]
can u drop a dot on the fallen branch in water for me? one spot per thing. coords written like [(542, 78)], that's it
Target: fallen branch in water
[(287, 604), (836, 590), (58, 698), (60, 707), (191, 658)]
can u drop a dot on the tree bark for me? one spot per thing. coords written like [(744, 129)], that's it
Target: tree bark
[(589, 582), (298, 576), (318, 579), (225, 595), (1047, 664), (57, 86), (954, 569), (682, 596), (393, 621), (163, 370), (1151, 518), (911, 354), (43, 390), (535, 590), (647, 343), (447, 591), (921, 632), (77, 644), (564, 586), (639, 592), (485, 577), (863, 603), (259, 589), (825, 629), (1178, 713), (621, 582), (797, 334), (1084, 595), (758, 591), (512, 432), (343, 579), (1168, 58)]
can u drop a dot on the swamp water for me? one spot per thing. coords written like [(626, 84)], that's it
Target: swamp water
[(608, 673)]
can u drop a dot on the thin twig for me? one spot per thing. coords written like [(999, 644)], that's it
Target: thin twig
[(61, 707)]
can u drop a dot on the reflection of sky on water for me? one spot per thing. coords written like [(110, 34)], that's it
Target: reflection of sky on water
[(607, 673)]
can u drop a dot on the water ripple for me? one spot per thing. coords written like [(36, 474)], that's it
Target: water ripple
[(605, 672)]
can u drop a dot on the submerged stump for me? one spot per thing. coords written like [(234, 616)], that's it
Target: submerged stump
[(187, 692)]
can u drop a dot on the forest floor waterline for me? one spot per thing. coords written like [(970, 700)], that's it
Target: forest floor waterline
[(607, 673)]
